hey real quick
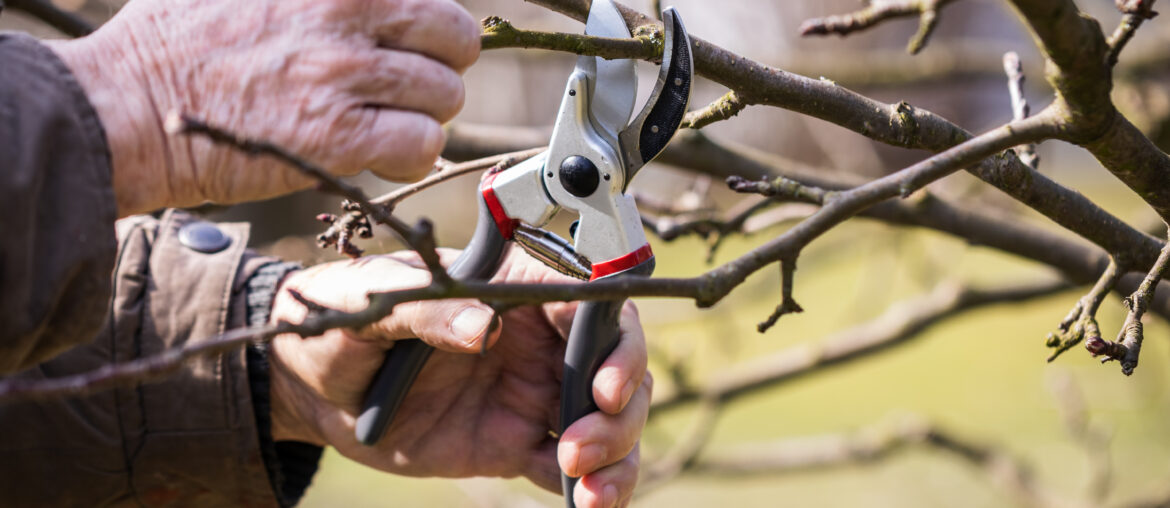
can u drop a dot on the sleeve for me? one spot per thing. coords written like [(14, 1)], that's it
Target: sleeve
[(57, 208), (195, 438)]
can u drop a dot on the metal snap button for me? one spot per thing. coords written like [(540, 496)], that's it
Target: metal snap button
[(203, 237)]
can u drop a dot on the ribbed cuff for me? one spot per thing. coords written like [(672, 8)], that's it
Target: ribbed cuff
[(290, 464)]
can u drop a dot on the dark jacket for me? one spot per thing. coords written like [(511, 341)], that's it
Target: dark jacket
[(80, 293)]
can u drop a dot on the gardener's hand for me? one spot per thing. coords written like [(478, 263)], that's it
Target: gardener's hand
[(347, 84), (467, 414)]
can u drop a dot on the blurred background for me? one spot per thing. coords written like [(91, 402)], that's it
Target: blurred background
[(1078, 432)]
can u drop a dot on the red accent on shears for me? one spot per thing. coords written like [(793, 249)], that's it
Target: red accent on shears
[(606, 268), (506, 224)]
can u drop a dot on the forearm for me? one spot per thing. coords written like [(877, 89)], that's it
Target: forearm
[(119, 90), (57, 208), (193, 438)]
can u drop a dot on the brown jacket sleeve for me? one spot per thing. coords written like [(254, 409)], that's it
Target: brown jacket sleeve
[(57, 208), (188, 440)]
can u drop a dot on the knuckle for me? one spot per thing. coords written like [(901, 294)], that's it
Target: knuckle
[(430, 145), (455, 97), (467, 49)]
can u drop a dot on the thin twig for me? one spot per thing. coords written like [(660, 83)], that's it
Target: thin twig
[(1134, 12), (788, 304), (1020, 109), (420, 237), (900, 324), (500, 33), (780, 189), (502, 161), (1128, 346), (1081, 321), (721, 109), (876, 12), (874, 443)]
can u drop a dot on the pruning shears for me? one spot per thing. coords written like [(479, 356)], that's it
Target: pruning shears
[(594, 152)]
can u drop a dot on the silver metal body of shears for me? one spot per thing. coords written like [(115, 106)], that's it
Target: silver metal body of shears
[(594, 152)]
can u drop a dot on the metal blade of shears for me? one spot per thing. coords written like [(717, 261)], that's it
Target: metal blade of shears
[(613, 85)]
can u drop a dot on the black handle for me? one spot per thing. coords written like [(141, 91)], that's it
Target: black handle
[(406, 359), (593, 337), (654, 127)]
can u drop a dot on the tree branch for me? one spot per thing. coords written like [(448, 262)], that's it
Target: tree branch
[(1128, 346), (902, 323), (878, 11), (1080, 72), (499, 33), (500, 162), (1134, 12), (899, 125), (1020, 109), (788, 304), (1081, 321), (721, 109), (420, 237), (705, 289), (871, 444), (978, 225)]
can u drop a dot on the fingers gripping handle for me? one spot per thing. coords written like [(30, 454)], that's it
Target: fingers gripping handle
[(595, 334), (592, 339), (398, 371), (406, 359)]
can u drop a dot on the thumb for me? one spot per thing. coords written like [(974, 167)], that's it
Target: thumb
[(460, 326)]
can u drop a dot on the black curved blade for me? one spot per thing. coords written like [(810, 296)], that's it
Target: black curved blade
[(654, 127)]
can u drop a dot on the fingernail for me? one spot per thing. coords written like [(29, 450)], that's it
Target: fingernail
[(609, 495), (470, 323), (590, 458), (627, 392)]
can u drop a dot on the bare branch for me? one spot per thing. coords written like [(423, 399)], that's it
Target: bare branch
[(902, 323), (780, 188), (1020, 109), (749, 217), (420, 237), (1081, 321), (1134, 12), (499, 33), (721, 109), (978, 225), (875, 443), (705, 289), (878, 11), (500, 162), (788, 304), (1127, 348), (1077, 54), (899, 125)]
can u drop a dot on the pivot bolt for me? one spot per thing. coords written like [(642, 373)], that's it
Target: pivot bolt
[(579, 176)]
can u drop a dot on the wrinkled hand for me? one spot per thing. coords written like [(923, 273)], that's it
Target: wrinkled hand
[(467, 414), (347, 84)]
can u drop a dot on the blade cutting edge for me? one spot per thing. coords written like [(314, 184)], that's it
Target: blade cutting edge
[(613, 83)]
